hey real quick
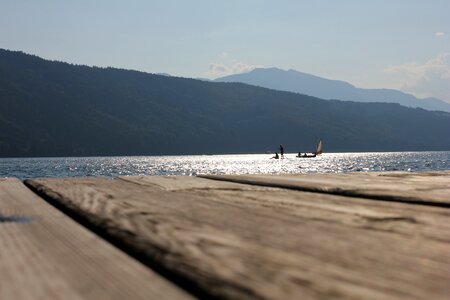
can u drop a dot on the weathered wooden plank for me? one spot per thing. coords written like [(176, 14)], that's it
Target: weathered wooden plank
[(244, 242), (46, 255), (174, 183), (431, 188)]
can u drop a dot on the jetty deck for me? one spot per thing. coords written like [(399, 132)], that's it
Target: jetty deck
[(316, 236)]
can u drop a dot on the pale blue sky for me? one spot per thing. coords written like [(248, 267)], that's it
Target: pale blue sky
[(403, 44)]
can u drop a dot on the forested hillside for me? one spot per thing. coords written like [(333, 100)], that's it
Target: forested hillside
[(58, 109)]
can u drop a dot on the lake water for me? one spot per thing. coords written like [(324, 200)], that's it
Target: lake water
[(223, 164)]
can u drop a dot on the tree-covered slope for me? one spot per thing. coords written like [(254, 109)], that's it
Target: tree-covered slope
[(57, 109)]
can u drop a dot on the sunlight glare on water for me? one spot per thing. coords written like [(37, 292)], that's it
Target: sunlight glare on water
[(223, 164)]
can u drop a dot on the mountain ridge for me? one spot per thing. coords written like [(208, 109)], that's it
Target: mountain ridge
[(54, 108), (308, 84)]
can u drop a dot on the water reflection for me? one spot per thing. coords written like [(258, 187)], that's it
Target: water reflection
[(223, 164)]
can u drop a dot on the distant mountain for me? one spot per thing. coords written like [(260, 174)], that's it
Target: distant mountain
[(298, 82), (57, 109)]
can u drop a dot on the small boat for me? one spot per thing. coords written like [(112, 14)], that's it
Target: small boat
[(314, 154)]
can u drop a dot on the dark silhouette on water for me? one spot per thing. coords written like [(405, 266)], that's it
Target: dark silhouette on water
[(281, 151), (314, 154), (276, 156)]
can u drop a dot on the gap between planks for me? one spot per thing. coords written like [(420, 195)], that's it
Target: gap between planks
[(426, 188)]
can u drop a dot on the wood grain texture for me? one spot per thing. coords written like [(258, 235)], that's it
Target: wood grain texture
[(174, 183), (250, 242), (46, 255), (428, 188)]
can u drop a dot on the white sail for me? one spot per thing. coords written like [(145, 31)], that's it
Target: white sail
[(319, 148)]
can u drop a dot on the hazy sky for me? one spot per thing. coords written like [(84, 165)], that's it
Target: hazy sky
[(402, 44)]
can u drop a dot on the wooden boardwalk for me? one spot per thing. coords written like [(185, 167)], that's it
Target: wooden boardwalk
[(321, 236)]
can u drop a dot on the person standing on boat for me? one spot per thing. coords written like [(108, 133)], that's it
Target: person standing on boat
[(281, 151)]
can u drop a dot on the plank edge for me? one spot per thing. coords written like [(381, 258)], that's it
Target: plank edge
[(330, 191), (116, 239)]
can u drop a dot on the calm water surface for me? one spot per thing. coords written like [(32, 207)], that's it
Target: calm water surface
[(223, 164)]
